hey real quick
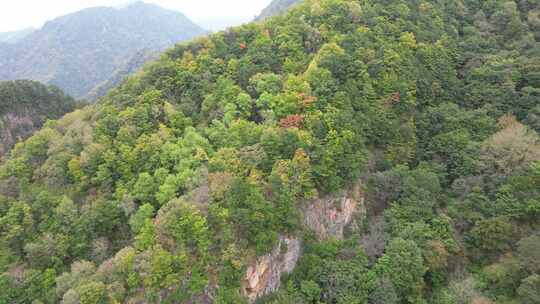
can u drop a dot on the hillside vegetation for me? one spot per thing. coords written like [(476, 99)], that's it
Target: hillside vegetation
[(79, 51), (25, 106), (170, 187)]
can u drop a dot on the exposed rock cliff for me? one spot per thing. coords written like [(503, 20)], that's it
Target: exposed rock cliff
[(264, 276), (327, 217)]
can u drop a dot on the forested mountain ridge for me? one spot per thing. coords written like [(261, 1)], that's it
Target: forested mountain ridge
[(25, 106), (276, 7), (169, 189), (79, 51)]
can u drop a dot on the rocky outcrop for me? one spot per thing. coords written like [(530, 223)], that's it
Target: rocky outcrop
[(327, 217), (264, 276)]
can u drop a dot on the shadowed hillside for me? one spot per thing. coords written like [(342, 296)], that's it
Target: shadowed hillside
[(24, 108)]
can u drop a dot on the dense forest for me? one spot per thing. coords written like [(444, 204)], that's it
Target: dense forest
[(170, 188), (25, 106), (79, 51)]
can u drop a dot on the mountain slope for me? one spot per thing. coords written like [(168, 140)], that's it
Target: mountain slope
[(373, 151), (15, 36), (134, 63), (81, 50), (276, 7), (24, 108)]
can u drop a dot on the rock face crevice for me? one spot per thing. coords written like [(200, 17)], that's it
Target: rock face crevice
[(326, 217)]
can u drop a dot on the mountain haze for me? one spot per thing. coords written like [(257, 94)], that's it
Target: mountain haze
[(79, 51), (134, 63), (15, 36)]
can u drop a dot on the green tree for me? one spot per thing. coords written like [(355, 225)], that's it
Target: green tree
[(529, 253), (529, 289), (138, 220), (93, 293), (145, 188), (403, 265), (492, 235), (147, 236)]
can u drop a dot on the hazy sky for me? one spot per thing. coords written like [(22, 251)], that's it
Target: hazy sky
[(212, 14)]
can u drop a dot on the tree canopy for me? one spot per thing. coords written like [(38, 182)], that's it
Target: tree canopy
[(168, 188)]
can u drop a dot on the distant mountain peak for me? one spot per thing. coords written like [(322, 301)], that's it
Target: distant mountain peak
[(276, 7), (80, 51), (131, 3)]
